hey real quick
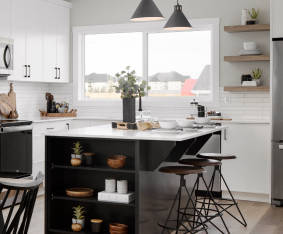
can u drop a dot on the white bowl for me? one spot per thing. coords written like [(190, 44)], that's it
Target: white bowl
[(250, 45), (202, 120), (185, 123), (168, 124)]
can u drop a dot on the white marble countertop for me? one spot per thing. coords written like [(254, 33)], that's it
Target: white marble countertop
[(106, 132)]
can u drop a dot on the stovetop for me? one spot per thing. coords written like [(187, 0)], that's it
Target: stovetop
[(13, 123)]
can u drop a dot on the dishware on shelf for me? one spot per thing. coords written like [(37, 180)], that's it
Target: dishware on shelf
[(244, 16), (250, 52), (122, 186), (88, 158), (96, 225), (79, 192), (118, 228), (116, 197), (185, 123), (249, 45), (110, 185), (116, 161), (202, 120), (168, 124)]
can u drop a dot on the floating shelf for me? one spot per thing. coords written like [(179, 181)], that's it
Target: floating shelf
[(97, 168), (250, 58), (92, 200), (246, 89), (247, 28)]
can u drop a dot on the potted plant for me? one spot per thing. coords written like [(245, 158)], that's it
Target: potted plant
[(257, 74), (77, 154), (130, 89), (78, 220), (254, 15)]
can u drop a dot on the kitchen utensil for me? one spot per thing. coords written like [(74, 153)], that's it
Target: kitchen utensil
[(88, 158), (122, 186), (185, 123), (79, 192), (249, 45), (96, 225), (110, 185), (168, 124), (116, 161), (201, 111)]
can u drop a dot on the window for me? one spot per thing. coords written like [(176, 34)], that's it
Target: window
[(175, 64)]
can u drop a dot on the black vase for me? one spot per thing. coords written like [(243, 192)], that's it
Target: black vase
[(129, 110)]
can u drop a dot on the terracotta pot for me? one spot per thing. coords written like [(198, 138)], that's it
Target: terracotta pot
[(76, 227), (76, 162), (116, 161)]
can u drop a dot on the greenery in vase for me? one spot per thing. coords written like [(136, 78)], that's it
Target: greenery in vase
[(257, 73), (78, 212), (254, 13), (128, 84), (77, 148)]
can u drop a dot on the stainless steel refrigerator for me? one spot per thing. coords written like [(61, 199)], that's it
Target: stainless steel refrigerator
[(277, 123)]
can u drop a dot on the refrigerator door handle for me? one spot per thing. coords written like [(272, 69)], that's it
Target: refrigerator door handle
[(280, 147)]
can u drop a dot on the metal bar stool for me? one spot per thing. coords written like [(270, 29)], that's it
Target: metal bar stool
[(18, 221), (217, 169), (186, 221)]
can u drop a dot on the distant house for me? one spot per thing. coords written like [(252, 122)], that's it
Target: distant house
[(203, 84)]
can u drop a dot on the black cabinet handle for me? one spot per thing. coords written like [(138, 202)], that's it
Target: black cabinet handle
[(29, 71), (68, 126), (55, 72), (26, 71), (59, 73)]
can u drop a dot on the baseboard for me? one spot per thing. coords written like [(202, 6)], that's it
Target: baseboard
[(257, 197)]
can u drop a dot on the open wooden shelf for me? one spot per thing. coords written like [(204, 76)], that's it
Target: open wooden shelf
[(249, 58), (95, 168), (247, 28), (246, 89), (89, 200)]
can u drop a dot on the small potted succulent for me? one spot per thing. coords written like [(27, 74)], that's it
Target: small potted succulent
[(257, 75), (78, 220), (130, 89), (253, 15), (77, 154)]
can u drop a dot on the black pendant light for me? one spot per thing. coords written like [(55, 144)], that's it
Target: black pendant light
[(178, 20), (147, 11)]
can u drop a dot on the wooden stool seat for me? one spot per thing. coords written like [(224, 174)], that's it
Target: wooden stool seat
[(216, 156), (200, 162), (182, 170)]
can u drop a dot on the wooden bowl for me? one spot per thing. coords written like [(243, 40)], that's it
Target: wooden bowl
[(116, 161), (118, 228), (79, 192)]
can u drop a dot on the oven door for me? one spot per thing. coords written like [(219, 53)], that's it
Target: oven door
[(16, 151)]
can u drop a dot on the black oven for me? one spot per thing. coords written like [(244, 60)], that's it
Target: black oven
[(16, 151)]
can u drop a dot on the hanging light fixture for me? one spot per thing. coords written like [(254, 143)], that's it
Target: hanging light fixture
[(178, 20), (147, 11)]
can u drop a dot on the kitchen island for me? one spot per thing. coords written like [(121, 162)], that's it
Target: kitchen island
[(146, 151)]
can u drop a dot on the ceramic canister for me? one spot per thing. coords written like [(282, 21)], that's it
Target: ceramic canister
[(122, 186), (110, 185)]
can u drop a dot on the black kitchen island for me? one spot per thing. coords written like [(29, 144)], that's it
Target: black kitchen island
[(145, 151)]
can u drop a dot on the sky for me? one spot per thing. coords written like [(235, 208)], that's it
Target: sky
[(184, 52)]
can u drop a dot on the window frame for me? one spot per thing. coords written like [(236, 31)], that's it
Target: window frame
[(145, 28)]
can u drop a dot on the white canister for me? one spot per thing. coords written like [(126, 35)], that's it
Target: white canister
[(122, 186), (110, 185), (244, 16)]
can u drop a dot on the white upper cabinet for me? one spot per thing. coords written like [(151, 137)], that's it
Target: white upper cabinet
[(37, 29), (56, 43), (5, 18), (276, 18)]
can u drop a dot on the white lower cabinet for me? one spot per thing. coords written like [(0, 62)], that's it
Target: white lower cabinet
[(250, 172)]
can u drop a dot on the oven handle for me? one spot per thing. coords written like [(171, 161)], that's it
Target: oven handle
[(16, 129), (7, 51)]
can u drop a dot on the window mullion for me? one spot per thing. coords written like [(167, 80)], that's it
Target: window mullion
[(145, 57)]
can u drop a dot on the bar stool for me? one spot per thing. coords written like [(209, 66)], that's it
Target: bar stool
[(217, 168), (197, 223)]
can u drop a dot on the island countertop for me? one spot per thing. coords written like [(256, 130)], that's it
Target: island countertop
[(106, 132)]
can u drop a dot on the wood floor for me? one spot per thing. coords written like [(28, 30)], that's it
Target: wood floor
[(261, 217)]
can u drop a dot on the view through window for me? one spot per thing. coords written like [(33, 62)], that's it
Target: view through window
[(178, 63)]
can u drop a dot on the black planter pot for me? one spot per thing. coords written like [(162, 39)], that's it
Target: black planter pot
[(129, 110)]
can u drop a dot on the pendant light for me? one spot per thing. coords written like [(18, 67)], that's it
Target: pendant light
[(178, 20), (147, 11)]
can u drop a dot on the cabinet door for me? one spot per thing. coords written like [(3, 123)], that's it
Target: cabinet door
[(51, 20), (19, 36), (63, 43), (34, 39), (5, 18), (250, 172), (276, 18)]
